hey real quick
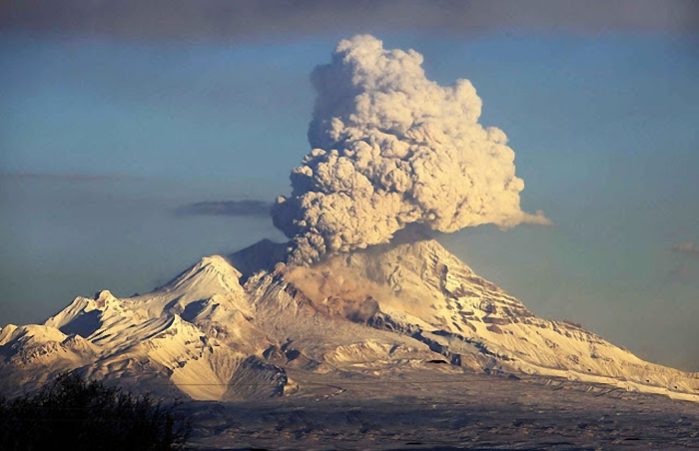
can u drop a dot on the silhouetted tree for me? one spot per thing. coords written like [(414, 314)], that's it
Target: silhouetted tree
[(71, 413)]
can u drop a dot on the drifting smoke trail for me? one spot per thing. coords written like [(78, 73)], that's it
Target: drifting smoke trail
[(392, 148)]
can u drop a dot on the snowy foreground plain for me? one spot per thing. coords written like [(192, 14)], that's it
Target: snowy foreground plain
[(464, 411), (401, 345)]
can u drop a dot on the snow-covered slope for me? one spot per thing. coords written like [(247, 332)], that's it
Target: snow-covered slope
[(193, 335), (377, 312), (420, 290)]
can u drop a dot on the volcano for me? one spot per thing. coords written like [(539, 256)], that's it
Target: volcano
[(248, 326)]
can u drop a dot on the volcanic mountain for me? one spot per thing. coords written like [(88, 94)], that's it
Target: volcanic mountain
[(249, 326)]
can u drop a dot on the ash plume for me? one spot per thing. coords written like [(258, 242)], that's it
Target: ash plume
[(391, 148)]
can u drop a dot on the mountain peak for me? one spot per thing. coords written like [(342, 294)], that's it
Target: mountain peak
[(213, 274), (411, 300), (218, 262), (261, 256), (105, 298)]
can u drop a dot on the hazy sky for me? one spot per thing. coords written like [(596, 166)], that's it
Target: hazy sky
[(108, 127)]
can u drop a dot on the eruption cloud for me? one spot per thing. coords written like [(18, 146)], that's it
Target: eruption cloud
[(391, 148)]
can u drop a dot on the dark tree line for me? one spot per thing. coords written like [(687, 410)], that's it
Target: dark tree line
[(72, 413)]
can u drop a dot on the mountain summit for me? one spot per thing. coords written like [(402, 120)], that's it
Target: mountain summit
[(248, 326)]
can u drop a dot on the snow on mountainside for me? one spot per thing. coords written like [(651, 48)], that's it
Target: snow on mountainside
[(375, 312)]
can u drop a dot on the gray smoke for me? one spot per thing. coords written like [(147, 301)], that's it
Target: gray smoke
[(391, 148)]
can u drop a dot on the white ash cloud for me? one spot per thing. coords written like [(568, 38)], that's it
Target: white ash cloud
[(392, 148)]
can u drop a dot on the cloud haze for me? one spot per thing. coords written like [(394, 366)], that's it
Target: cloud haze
[(226, 208), (687, 248), (170, 19), (392, 148), (64, 177)]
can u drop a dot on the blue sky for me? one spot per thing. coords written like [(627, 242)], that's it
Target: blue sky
[(604, 126)]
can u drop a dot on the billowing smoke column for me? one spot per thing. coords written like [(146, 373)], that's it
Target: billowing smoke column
[(392, 148)]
